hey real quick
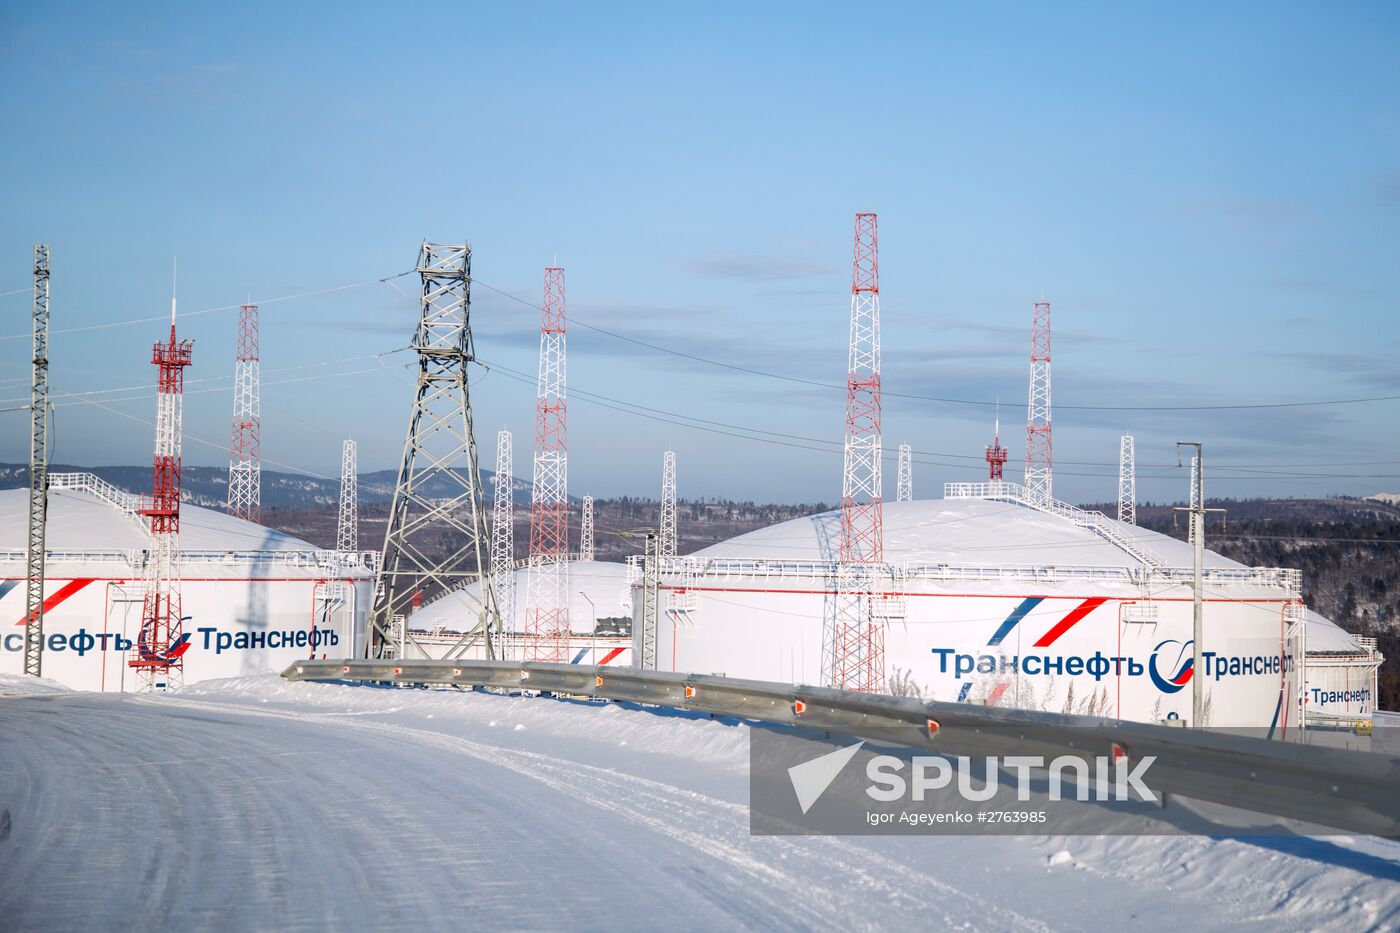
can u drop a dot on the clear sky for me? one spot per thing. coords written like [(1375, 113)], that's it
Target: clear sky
[(1208, 194)]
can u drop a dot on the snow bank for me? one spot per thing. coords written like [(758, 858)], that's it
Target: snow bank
[(20, 685)]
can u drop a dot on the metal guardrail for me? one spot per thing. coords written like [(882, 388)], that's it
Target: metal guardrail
[(1347, 790)]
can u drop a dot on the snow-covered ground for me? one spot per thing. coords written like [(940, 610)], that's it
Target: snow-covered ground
[(256, 804)]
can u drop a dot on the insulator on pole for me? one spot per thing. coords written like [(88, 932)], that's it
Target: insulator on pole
[(904, 492), (347, 537), (546, 595), (245, 452), (1038, 456), (1127, 481), (853, 642)]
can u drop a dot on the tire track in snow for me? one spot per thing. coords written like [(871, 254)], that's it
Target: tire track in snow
[(858, 876)]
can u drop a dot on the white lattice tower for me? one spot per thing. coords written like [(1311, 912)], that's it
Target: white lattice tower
[(668, 544), (853, 643), (503, 531), (904, 491), (1127, 481), (585, 531), (38, 470), (347, 531), (546, 595), (245, 452), (1038, 457)]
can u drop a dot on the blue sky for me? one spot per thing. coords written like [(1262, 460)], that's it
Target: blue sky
[(1208, 194)]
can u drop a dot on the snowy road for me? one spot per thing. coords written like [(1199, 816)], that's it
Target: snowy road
[(254, 804)]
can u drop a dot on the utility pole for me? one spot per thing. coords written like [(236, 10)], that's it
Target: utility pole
[(1197, 512), (38, 469)]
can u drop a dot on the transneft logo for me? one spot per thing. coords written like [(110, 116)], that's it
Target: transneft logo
[(1182, 666), (1104, 779)]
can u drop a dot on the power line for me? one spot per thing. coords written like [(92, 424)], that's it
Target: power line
[(234, 307), (935, 398), (801, 442)]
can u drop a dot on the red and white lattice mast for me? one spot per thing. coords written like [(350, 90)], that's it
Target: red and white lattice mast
[(245, 453), (996, 455), (161, 644), (855, 642), (546, 599), (1038, 459)]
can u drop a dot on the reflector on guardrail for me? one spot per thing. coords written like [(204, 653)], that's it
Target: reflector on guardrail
[(798, 707), (690, 691)]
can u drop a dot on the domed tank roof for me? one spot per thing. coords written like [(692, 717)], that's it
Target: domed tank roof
[(982, 531), (79, 520), (965, 531)]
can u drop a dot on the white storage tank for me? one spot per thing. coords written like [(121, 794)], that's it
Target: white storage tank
[(600, 617), (988, 599), (254, 599)]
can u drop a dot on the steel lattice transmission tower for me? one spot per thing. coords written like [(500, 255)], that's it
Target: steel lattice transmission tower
[(854, 643), (585, 531), (347, 532), (157, 656), (38, 469), (1127, 481), (904, 492), (245, 453), (503, 531), (546, 595), (1038, 459), (668, 543), (438, 496)]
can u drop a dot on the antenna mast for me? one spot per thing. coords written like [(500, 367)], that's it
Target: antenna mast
[(1127, 481), (503, 533), (158, 654), (38, 469), (245, 454), (904, 491), (546, 597), (668, 543), (853, 646), (585, 534), (347, 537), (1038, 459)]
